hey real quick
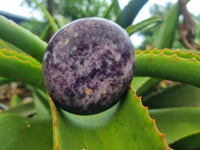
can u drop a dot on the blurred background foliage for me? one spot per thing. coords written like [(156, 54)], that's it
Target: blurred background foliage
[(68, 10), (151, 34), (74, 9)]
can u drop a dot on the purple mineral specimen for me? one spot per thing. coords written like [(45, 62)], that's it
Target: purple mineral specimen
[(88, 65)]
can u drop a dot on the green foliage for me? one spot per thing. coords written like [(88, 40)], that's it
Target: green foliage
[(29, 72), (109, 9), (76, 9), (4, 80), (165, 64), (49, 17), (177, 122), (34, 26), (40, 125), (128, 14), (77, 132), (176, 96), (13, 33), (19, 133), (83, 8), (166, 34), (144, 25)]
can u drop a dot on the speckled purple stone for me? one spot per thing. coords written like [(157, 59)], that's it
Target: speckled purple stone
[(88, 65)]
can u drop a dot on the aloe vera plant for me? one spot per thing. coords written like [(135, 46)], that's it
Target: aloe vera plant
[(145, 118)]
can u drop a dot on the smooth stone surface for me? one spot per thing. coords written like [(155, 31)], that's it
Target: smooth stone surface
[(88, 65)]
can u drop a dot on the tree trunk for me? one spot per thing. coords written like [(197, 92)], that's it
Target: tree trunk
[(50, 6)]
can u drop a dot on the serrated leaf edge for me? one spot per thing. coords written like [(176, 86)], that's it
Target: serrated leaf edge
[(55, 124), (166, 52), (16, 57), (162, 136), (4, 45), (141, 85)]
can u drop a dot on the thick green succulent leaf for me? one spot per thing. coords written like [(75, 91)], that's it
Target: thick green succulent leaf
[(137, 82), (144, 85), (172, 65), (189, 50), (41, 103), (24, 110), (190, 142), (21, 133), (124, 126), (176, 123), (166, 34), (176, 96), (21, 67), (129, 12), (22, 38), (131, 29), (8, 46)]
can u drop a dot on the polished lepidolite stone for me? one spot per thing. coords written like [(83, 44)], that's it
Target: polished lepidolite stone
[(88, 65)]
